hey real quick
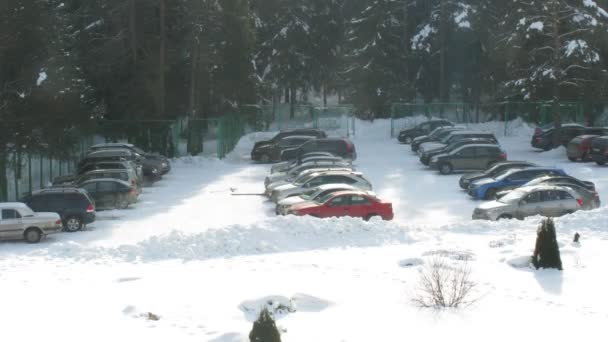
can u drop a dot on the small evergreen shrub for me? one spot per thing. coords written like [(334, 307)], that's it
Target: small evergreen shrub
[(546, 251), (264, 329)]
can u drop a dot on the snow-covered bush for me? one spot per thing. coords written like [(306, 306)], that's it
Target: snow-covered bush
[(264, 329), (444, 285), (546, 252)]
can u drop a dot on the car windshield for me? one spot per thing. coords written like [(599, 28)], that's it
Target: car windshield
[(303, 179), (26, 212), (324, 198), (445, 139), (512, 197)]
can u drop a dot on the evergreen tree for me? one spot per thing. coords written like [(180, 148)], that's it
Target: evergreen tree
[(264, 329), (546, 251)]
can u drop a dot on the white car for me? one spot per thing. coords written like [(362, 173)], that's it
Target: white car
[(283, 205), (295, 171), (18, 221), (314, 180), (291, 179), (323, 156)]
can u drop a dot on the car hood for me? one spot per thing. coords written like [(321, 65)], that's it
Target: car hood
[(483, 181), (405, 131), (473, 175), (291, 200), (285, 187), (277, 184), (420, 138), (260, 143), (305, 205), (492, 205), (430, 146), (42, 216), (262, 147), (438, 156)]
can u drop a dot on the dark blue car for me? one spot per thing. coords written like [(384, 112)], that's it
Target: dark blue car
[(486, 188)]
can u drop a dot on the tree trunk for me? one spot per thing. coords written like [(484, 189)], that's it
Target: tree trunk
[(161, 78), (443, 27), (325, 94), (292, 102), (3, 175), (406, 50), (286, 95), (195, 141), (556, 61), (132, 33)]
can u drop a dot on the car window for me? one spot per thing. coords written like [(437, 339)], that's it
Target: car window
[(534, 197), (359, 200), (519, 176), (466, 152), (425, 127), (106, 186), (342, 180), (549, 195), (90, 187), (340, 201), (10, 214), (563, 195)]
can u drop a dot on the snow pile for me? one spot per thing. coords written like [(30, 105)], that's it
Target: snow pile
[(281, 234), (42, 76), (593, 4), (537, 25)]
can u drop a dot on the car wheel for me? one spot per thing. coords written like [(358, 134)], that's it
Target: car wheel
[(572, 159), (32, 235), (445, 168), (490, 194), (369, 217), (408, 140), (504, 217), (123, 203), (73, 224), (265, 158)]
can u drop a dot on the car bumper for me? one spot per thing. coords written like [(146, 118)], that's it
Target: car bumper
[(599, 158), (89, 218), (53, 229)]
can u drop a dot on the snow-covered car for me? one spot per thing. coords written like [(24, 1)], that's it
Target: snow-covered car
[(18, 222), (345, 203), (314, 180), (545, 200), (312, 195), (315, 156), (305, 173), (295, 171)]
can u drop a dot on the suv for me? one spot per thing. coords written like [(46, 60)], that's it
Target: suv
[(110, 165), (436, 135), (340, 147), (407, 135), (425, 157), (453, 137), (110, 193), (75, 206), (599, 150), (468, 158), (579, 148), (543, 139), (487, 188), (151, 168), (272, 151), (128, 176), (311, 132), (165, 165)]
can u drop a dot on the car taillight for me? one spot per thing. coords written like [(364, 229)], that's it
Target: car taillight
[(595, 195), (538, 131), (503, 156), (538, 139), (133, 182), (133, 191), (349, 147), (90, 208), (58, 222), (580, 202)]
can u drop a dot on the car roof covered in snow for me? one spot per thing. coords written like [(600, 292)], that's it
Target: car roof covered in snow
[(13, 205)]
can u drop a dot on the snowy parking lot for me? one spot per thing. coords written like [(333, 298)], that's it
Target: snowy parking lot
[(201, 250)]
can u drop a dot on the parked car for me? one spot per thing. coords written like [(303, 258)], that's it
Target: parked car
[(543, 138), (599, 150), (17, 222), (468, 158), (435, 135), (493, 171), (425, 158), (487, 188), (110, 193), (109, 165), (585, 189), (126, 175), (579, 148), (165, 164), (407, 135), (75, 206), (545, 200), (289, 132), (316, 179), (317, 156), (311, 195), (345, 203), (453, 137), (292, 173), (272, 151), (338, 146), (150, 168)]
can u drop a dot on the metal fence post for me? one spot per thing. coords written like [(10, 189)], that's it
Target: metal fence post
[(29, 171)]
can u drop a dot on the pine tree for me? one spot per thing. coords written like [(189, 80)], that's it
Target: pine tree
[(546, 251), (264, 329)]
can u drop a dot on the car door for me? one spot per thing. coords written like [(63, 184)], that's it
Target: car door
[(10, 224), (108, 192), (530, 205), (91, 188), (360, 206), (566, 203), (337, 207), (464, 159)]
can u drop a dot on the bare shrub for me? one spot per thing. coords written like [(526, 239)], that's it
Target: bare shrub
[(442, 284)]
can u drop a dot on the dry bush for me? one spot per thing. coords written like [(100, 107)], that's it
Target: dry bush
[(444, 285)]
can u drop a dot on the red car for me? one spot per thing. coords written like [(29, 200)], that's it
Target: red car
[(345, 203)]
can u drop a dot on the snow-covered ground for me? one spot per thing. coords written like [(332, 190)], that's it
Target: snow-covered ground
[(205, 260)]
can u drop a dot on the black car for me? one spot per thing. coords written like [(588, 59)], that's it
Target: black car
[(425, 157), (272, 151), (75, 206), (436, 135), (543, 138), (110, 193), (150, 168), (492, 171), (407, 135), (111, 165), (338, 146), (161, 161), (468, 158), (310, 132), (599, 150)]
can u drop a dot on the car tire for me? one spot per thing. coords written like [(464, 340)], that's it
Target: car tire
[(32, 235), (445, 168), (504, 217), (490, 194), (408, 140), (123, 203), (72, 224), (461, 184), (572, 159)]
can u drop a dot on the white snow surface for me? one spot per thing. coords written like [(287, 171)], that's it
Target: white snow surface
[(42, 76), (206, 261)]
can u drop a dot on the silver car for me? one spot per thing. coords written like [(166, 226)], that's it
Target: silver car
[(311, 195), (283, 166), (314, 180), (292, 173), (18, 222), (302, 174), (545, 200)]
